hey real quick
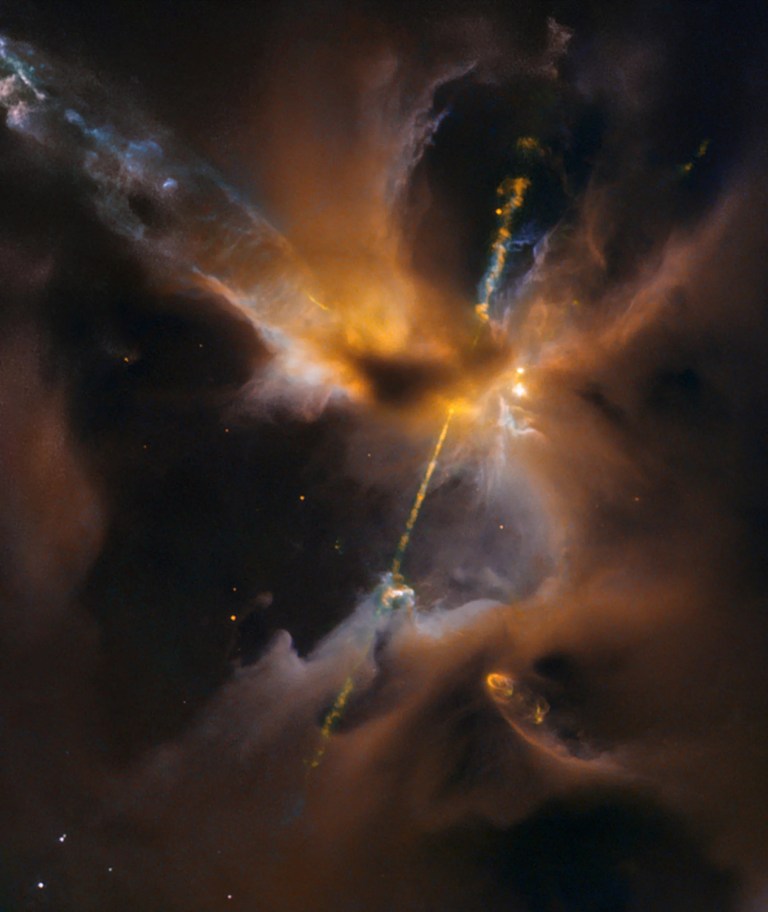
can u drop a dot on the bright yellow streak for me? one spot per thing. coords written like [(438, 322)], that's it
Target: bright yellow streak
[(421, 494), (513, 191), (319, 303), (339, 704), (332, 718)]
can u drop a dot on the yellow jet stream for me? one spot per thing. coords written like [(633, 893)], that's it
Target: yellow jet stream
[(513, 191), (421, 494), (336, 711)]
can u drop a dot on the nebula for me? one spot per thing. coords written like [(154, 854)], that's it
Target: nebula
[(383, 457)]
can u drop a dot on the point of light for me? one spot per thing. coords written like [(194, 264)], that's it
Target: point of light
[(520, 390)]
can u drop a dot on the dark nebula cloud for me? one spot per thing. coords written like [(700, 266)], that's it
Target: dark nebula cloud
[(261, 269)]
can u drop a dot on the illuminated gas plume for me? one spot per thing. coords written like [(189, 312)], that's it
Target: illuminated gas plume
[(516, 701), (512, 192)]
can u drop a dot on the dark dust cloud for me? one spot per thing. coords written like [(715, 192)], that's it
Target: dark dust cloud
[(259, 264)]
